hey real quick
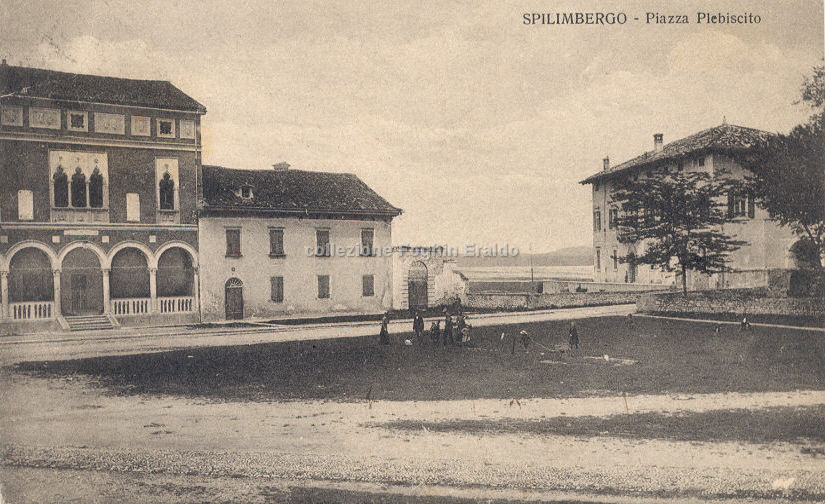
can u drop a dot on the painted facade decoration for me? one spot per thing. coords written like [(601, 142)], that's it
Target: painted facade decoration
[(84, 237)]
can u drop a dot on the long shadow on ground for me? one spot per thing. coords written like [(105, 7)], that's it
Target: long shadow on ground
[(671, 356)]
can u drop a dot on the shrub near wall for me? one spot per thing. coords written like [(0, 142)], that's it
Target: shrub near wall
[(734, 301)]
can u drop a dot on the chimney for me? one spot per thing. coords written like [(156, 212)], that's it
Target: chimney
[(606, 163), (657, 142), (281, 166)]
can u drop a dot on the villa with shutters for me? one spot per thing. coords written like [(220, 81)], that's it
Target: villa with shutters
[(713, 151), (98, 186)]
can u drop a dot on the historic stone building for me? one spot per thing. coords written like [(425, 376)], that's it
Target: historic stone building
[(98, 178), (712, 151), (284, 241)]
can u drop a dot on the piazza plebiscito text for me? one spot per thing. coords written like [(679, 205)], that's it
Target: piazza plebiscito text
[(650, 18)]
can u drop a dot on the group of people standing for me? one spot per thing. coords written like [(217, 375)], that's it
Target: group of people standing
[(456, 330)]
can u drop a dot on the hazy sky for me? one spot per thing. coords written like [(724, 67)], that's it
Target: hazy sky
[(478, 126)]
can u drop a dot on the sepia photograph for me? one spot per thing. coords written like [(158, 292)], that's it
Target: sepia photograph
[(432, 252)]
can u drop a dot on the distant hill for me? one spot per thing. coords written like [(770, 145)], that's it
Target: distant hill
[(569, 256)]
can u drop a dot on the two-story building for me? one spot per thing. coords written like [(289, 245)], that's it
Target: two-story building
[(713, 151), (283, 241), (98, 200)]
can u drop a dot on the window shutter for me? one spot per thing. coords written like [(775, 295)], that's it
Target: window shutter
[(277, 287), (751, 209), (730, 204)]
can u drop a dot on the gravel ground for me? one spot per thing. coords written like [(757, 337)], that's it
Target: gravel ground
[(644, 481)]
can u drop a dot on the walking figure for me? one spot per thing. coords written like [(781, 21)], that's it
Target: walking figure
[(574, 337), (384, 335), (418, 327), (744, 325)]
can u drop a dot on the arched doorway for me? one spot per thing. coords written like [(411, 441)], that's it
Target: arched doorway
[(81, 283), (417, 285), (175, 273), (129, 282), (30, 277), (233, 291)]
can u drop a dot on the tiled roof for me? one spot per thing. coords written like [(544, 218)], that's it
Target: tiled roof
[(725, 137), (293, 191), (40, 83)]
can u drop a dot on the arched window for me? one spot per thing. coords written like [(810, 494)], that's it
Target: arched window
[(78, 189), (96, 189), (167, 192), (61, 188)]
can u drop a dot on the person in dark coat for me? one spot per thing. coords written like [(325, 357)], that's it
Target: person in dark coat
[(435, 332), (384, 335), (418, 327), (574, 337), (448, 329)]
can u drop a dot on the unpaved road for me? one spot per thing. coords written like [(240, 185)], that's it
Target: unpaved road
[(72, 425)]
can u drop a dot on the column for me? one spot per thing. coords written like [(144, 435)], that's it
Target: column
[(195, 290), (106, 303), (57, 293), (153, 290), (4, 279)]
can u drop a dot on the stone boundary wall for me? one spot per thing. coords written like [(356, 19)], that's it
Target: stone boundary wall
[(523, 301), (737, 301)]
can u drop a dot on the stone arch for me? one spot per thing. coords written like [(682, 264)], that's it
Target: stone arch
[(151, 259), (129, 275), (193, 254), (17, 247), (101, 255), (31, 276), (83, 279), (417, 285), (175, 272)]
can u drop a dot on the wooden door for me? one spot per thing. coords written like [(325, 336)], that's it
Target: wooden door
[(79, 294), (234, 302)]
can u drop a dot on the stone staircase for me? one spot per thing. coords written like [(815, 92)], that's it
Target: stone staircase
[(89, 322)]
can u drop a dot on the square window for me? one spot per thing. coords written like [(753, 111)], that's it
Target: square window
[(166, 128), (323, 287), (322, 245), (701, 161), (276, 285), (78, 121), (233, 243), (367, 239), (368, 285), (276, 242)]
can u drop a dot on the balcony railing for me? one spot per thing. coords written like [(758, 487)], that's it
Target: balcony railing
[(31, 310), (130, 306), (178, 304)]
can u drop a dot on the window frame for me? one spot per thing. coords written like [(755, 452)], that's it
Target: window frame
[(70, 113), (160, 120), (362, 250), (227, 232), (598, 258), (272, 291), (328, 286), (273, 252), (597, 219), (371, 277), (327, 251)]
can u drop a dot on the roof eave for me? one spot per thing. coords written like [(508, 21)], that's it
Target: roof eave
[(302, 211)]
